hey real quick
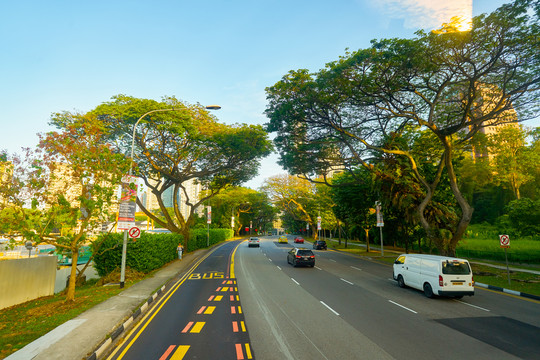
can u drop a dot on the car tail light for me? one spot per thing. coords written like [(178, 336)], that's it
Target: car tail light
[(298, 256), (441, 280), (472, 279), (312, 256)]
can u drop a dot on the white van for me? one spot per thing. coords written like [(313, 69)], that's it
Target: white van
[(435, 275)]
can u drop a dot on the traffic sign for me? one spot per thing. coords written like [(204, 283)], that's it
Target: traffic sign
[(505, 241), (134, 232)]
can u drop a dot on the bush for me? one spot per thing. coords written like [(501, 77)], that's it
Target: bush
[(149, 252)]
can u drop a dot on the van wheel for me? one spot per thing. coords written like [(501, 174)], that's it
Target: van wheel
[(428, 291), (400, 281)]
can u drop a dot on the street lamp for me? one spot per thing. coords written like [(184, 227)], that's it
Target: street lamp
[(124, 245)]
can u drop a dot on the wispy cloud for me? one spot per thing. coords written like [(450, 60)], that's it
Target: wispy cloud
[(425, 14)]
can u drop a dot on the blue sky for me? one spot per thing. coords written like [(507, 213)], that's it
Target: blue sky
[(73, 55)]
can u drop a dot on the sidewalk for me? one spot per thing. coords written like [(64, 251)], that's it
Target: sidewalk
[(78, 338)]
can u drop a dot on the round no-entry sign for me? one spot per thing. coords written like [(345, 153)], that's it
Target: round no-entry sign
[(505, 240), (134, 232)]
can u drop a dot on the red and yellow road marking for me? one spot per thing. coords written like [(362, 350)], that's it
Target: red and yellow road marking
[(178, 354), (194, 327), (240, 352)]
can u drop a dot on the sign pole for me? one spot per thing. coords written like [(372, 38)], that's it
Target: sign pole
[(505, 243), (507, 269), (124, 252)]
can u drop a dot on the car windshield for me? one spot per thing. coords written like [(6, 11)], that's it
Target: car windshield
[(304, 252), (456, 268)]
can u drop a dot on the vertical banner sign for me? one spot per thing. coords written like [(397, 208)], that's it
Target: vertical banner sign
[(232, 222), (307, 226), (380, 221), (127, 206), (209, 215), (319, 222)]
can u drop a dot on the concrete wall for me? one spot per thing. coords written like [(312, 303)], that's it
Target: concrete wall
[(26, 279), (63, 273)]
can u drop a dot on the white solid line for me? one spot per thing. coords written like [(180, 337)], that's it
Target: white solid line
[(296, 282), (406, 308), (474, 306), (329, 308), (347, 281), (354, 267), (318, 268), (278, 267)]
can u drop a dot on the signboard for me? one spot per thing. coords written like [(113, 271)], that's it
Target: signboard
[(127, 206), (307, 226), (505, 241), (380, 221), (208, 214), (319, 219), (232, 222), (134, 232)]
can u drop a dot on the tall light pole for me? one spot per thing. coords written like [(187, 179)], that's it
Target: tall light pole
[(124, 244)]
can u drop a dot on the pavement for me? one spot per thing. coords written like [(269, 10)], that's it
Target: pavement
[(89, 335)]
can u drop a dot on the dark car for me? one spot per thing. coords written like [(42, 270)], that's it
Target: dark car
[(320, 245), (301, 256)]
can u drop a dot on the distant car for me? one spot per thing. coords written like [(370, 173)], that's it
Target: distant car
[(283, 239), (254, 241), (299, 240), (301, 256), (320, 245)]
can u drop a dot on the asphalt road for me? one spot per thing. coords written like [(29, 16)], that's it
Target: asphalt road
[(200, 317), (350, 308), (245, 303)]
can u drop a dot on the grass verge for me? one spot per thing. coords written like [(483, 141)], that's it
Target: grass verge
[(21, 324)]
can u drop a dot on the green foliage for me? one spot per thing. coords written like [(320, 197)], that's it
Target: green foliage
[(522, 217), (199, 238), (149, 252)]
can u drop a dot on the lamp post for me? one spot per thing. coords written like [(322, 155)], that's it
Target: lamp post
[(124, 244)]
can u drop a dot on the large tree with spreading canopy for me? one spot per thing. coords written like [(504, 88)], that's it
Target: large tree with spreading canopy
[(445, 85)]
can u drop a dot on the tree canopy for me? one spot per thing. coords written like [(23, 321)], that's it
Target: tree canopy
[(175, 142), (447, 83)]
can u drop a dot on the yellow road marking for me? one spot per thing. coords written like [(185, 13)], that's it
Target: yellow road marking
[(218, 298), (248, 352), (180, 352), (197, 327), (210, 310)]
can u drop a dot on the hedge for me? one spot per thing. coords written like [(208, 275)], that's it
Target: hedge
[(151, 251)]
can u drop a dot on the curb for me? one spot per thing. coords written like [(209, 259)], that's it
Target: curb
[(119, 330), (508, 291)]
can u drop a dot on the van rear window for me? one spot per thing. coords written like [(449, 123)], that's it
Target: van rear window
[(456, 268)]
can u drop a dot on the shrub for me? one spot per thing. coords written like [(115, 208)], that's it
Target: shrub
[(149, 252)]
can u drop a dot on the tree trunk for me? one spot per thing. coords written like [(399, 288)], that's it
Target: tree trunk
[(367, 239), (466, 209), (70, 295)]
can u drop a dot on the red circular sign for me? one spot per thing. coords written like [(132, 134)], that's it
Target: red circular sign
[(134, 232), (505, 240)]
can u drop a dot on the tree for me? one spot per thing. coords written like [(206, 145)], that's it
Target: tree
[(65, 190), (293, 196), (450, 84), (514, 163), (178, 142)]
